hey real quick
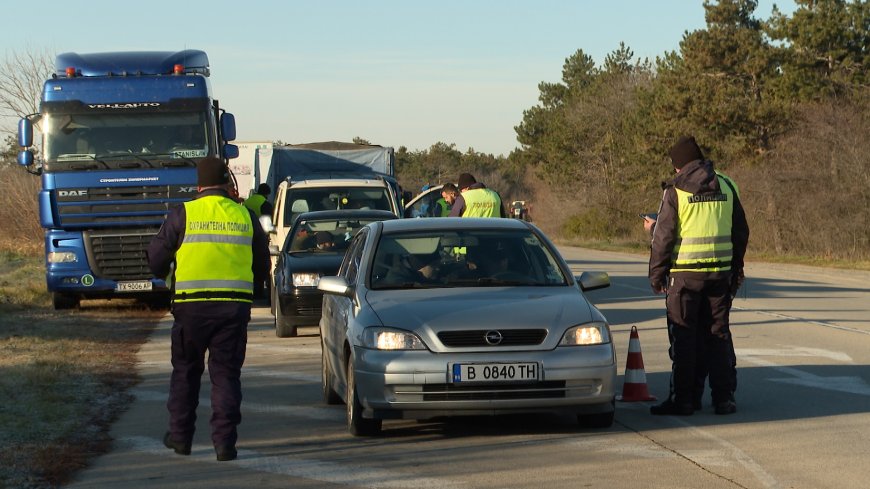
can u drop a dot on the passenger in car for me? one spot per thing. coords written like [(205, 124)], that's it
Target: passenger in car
[(324, 241), (415, 269)]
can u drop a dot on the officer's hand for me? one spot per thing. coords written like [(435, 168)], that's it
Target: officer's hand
[(737, 279)]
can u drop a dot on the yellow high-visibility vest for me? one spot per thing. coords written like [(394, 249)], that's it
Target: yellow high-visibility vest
[(481, 202), (704, 230), (255, 202), (214, 262)]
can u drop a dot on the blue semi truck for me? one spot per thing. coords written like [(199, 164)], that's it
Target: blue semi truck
[(121, 135)]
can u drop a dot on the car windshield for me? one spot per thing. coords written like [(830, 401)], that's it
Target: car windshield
[(323, 235), (464, 259)]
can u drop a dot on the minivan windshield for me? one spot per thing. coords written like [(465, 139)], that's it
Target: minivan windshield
[(331, 198)]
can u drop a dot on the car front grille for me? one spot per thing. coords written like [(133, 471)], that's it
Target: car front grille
[(494, 392), (478, 337)]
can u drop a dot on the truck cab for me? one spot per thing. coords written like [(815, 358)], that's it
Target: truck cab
[(121, 134)]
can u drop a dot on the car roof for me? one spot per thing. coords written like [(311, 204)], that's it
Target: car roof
[(452, 224), (346, 214)]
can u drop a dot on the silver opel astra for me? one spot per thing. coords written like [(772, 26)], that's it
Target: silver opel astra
[(462, 316)]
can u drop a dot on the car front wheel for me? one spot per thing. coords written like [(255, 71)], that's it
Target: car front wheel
[(283, 328), (356, 424)]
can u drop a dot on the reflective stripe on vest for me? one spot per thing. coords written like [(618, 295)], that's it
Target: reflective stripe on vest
[(704, 229), (481, 202), (255, 202), (214, 262)]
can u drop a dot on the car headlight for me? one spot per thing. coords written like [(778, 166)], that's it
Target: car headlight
[(586, 334), (391, 339), (306, 279), (62, 257)]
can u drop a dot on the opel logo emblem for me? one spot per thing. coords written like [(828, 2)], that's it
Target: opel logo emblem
[(493, 337)]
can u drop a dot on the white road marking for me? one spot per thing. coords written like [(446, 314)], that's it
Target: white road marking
[(851, 385), (702, 457), (794, 351), (320, 470)]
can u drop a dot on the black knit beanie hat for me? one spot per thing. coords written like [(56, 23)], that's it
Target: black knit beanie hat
[(685, 151), (465, 180), (211, 172)]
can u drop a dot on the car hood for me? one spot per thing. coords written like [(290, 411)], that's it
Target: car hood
[(429, 311)]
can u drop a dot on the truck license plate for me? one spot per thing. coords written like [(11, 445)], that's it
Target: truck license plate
[(135, 286), (496, 372)]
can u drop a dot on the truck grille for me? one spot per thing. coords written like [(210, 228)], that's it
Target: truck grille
[(119, 254), (477, 337), (98, 206)]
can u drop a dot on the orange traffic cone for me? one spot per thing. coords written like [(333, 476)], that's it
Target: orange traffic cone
[(634, 387)]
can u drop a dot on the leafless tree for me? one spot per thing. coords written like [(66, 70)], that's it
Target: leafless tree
[(22, 74)]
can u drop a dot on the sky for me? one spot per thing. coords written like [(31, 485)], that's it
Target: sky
[(397, 73)]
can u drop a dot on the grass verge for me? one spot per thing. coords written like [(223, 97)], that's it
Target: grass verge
[(63, 377)]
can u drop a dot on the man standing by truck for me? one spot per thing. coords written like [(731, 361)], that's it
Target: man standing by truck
[(219, 251), (259, 202)]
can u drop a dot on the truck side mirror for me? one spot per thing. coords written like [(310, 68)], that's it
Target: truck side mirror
[(25, 133), (25, 158), (228, 126), (231, 151)]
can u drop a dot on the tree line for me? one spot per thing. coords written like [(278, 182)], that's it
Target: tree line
[(779, 104)]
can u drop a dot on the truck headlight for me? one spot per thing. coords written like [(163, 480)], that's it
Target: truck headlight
[(378, 338), (306, 279), (62, 257), (586, 334)]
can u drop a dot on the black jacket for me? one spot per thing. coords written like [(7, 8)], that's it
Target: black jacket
[(697, 177)]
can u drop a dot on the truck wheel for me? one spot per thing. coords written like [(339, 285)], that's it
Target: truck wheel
[(356, 424), (283, 328), (62, 301)]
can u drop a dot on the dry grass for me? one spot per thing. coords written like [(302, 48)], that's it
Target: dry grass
[(63, 377), (64, 380)]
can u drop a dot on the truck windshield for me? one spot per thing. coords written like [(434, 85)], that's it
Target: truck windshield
[(107, 141)]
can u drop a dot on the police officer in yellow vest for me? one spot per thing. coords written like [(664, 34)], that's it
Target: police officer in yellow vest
[(475, 200), (259, 202), (698, 245), (218, 250)]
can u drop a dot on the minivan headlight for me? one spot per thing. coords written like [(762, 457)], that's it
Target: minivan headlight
[(595, 333)]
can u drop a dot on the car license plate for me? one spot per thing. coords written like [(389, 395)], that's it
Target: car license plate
[(137, 286), (496, 372)]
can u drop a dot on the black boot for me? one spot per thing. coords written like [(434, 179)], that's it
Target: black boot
[(225, 452), (181, 448), (671, 408)]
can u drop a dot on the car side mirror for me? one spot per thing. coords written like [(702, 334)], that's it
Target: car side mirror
[(593, 280), (335, 285)]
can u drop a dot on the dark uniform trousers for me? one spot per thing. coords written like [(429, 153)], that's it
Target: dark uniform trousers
[(695, 309), (221, 329)]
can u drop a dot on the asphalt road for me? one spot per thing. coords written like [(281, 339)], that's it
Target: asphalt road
[(802, 337)]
